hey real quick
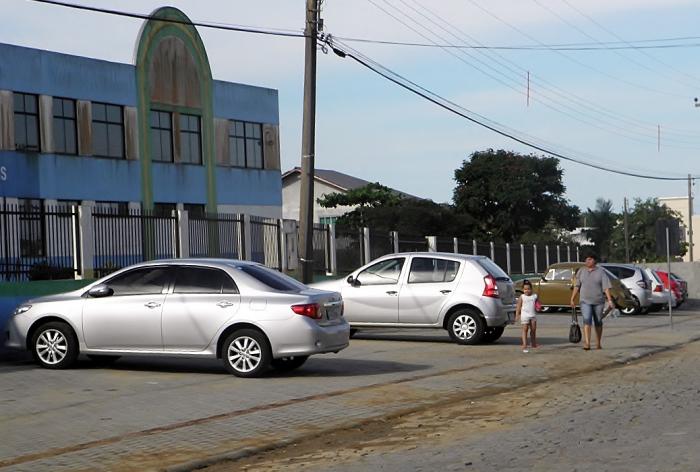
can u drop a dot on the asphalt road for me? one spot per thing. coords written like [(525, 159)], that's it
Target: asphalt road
[(155, 414)]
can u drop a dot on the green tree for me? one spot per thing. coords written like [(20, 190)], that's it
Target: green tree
[(602, 222), (642, 220), (509, 195), (369, 196)]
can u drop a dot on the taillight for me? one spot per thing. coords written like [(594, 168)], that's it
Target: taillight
[(658, 288), (310, 309), (490, 287)]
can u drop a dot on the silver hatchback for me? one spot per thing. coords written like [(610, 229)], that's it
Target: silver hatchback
[(469, 296), (248, 315)]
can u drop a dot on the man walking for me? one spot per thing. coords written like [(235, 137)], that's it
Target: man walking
[(593, 284)]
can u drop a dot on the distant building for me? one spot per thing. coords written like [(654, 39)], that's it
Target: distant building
[(325, 182), (680, 206), (159, 135)]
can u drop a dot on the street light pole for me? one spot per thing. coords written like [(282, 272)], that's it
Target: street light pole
[(690, 216), (308, 145), (627, 235)]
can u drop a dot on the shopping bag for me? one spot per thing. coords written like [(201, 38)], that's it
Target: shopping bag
[(538, 306), (574, 329)]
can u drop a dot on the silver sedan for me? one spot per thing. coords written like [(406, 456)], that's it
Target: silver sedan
[(249, 316)]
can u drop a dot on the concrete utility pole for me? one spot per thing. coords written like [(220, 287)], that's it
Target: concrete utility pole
[(627, 235), (690, 217), (308, 145)]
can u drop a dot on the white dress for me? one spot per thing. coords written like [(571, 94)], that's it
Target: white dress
[(527, 308)]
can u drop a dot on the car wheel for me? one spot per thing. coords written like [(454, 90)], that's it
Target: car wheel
[(632, 310), (466, 327), (246, 353), (54, 345), (103, 359), (287, 364), (548, 309), (493, 334)]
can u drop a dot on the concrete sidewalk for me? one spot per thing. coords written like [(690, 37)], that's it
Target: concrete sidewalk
[(151, 415)]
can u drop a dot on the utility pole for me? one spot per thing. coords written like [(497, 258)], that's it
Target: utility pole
[(627, 235), (690, 217), (308, 145)]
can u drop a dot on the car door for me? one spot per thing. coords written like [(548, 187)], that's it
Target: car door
[(373, 297), (202, 300), (430, 283), (556, 286), (129, 319)]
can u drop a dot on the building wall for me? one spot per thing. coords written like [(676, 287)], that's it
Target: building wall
[(680, 206), (291, 193)]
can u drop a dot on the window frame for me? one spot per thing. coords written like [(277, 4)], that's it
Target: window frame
[(232, 134), (190, 135), (107, 123), (221, 291), (25, 114), (65, 119), (169, 275), (160, 129), (444, 272), (398, 279)]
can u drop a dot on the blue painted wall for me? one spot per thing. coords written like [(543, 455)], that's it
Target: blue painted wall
[(245, 102), (248, 186)]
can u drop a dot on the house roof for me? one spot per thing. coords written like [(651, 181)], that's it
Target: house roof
[(339, 180)]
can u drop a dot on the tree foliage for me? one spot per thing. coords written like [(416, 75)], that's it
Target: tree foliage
[(372, 195), (509, 195), (602, 222)]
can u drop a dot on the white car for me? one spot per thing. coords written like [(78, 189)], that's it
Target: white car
[(469, 296)]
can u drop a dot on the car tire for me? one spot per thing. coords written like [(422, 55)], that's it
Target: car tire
[(548, 309), (54, 345), (287, 364), (466, 327), (103, 359), (246, 353), (633, 310), (493, 334)]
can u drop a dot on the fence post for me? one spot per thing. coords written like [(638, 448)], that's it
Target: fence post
[(508, 258), (395, 240), (75, 240), (87, 242), (246, 240), (568, 253), (455, 245), (493, 251), (578, 255), (432, 243), (367, 255), (558, 253), (474, 251), (183, 234), (546, 257), (281, 246), (534, 254), (522, 258), (332, 250)]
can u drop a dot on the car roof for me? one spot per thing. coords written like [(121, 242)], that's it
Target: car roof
[(565, 265), (200, 261), (454, 255)]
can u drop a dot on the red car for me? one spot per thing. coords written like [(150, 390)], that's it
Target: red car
[(675, 286)]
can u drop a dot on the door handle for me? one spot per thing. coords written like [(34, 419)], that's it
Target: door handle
[(224, 304), (445, 292), (392, 292), (152, 305)]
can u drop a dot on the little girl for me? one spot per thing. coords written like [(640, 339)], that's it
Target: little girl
[(525, 312)]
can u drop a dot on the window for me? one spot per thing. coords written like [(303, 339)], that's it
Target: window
[(164, 209), (431, 270), (64, 128), (112, 208), (195, 210), (26, 122), (559, 274), (107, 130), (161, 136), (245, 144), (31, 228), (201, 280), (271, 278), (146, 281), (494, 269), (328, 220), (386, 272), (190, 139)]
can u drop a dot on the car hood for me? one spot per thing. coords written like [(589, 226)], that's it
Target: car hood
[(75, 294)]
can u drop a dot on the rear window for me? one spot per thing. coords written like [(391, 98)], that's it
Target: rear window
[(493, 269), (272, 278)]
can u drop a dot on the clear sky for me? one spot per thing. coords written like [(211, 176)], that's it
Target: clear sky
[(602, 106)]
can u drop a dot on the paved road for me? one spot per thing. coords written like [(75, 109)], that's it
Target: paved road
[(144, 414)]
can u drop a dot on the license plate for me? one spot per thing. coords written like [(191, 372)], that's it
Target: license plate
[(332, 310)]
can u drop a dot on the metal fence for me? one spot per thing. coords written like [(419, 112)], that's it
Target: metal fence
[(216, 235), (410, 243), (265, 242), (39, 242), (349, 250), (127, 237), (380, 244)]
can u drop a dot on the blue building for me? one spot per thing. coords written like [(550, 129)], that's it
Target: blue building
[(157, 135)]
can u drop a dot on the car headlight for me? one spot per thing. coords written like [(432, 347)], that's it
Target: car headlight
[(21, 309)]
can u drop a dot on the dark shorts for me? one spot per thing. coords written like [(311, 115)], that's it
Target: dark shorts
[(592, 314)]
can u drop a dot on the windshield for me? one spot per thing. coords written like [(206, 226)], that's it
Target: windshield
[(493, 269), (272, 278)]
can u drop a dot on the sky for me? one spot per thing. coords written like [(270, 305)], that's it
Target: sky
[(603, 106)]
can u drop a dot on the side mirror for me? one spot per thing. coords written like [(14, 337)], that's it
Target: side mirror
[(353, 281), (100, 291)]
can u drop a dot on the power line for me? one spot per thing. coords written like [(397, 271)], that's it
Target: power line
[(440, 101), (212, 25)]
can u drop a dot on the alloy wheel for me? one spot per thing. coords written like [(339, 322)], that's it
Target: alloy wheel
[(51, 346), (464, 327), (244, 354)]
